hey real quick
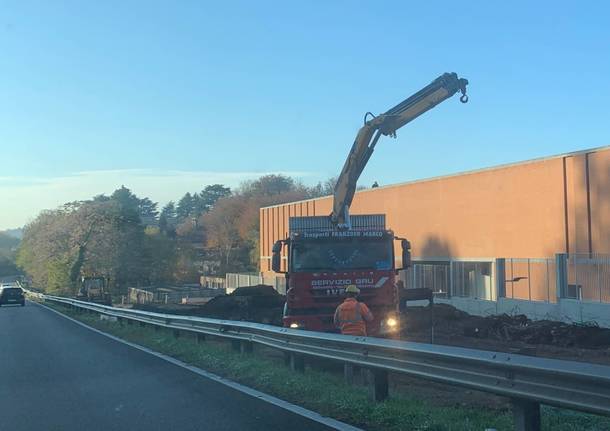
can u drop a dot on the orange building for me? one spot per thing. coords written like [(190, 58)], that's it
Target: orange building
[(490, 232)]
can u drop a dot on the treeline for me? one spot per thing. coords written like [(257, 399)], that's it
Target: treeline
[(8, 249), (127, 239)]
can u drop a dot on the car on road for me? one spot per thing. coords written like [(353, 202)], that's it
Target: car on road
[(11, 294)]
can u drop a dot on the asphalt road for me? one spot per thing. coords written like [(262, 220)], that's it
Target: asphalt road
[(57, 375)]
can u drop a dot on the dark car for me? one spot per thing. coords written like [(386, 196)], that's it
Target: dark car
[(11, 295)]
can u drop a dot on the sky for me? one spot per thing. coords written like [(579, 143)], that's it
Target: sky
[(167, 97)]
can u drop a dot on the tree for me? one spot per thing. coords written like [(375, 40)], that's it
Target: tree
[(160, 256), (148, 211), (8, 248), (126, 199), (185, 207), (103, 236), (221, 225), (323, 188), (268, 185), (232, 226), (185, 267), (208, 197), (45, 249), (168, 218), (128, 234)]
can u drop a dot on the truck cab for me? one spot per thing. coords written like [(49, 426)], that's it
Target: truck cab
[(323, 261)]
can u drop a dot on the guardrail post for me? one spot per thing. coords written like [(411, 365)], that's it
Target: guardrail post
[(348, 373), (142, 324), (297, 362), (176, 333), (526, 415), (200, 338), (379, 386), (129, 322), (246, 347)]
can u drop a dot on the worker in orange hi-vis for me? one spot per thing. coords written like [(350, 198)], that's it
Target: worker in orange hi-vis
[(351, 316)]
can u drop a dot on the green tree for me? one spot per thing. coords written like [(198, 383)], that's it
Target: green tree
[(168, 219), (148, 211), (160, 256), (185, 207), (8, 249), (208, 197)]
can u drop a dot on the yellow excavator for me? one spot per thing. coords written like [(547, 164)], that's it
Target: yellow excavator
[(94, 289)]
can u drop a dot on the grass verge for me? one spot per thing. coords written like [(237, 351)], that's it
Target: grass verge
[(327, 394)]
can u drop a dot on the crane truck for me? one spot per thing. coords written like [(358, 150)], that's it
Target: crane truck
[(325, 254)]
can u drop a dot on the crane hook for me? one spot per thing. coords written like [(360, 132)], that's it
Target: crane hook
[(462, 87)]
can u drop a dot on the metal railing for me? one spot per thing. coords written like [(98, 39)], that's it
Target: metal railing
[(452, 277), (533, 279), (529, 381), (212, 282), (235, 280), (588, 277)]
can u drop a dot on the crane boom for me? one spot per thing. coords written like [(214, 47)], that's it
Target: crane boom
[(387, 124)]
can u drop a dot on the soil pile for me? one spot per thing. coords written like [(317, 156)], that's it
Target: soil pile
[(451, 322), (261, 304)]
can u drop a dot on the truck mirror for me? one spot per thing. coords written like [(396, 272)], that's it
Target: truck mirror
[(406, 254), (276, 257)]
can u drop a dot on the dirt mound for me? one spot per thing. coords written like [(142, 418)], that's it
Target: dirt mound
[(261, 303), (450, 322), (258, 290)]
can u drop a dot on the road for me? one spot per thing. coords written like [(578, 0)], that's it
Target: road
[(57, 375)]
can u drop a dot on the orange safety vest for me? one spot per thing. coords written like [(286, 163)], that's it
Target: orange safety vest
[(351, 317)]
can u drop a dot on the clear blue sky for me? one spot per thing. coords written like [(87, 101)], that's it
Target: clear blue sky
[(99, 93)]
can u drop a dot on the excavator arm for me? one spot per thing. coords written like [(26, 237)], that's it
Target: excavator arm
[(387, 124)]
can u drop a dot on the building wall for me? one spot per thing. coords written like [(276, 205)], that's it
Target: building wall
[(599, 187), (530, 209)]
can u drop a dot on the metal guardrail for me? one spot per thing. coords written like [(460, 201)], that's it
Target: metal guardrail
[(529, 381)]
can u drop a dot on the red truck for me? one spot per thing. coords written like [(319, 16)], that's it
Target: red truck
[(323, 261), (328, 253)]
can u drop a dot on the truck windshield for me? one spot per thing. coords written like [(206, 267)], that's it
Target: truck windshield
[(333, 255)]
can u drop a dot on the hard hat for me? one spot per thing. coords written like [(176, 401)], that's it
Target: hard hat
[(352, 289)]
